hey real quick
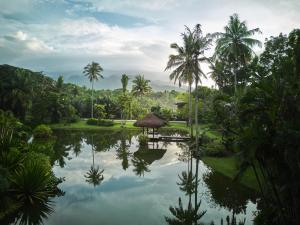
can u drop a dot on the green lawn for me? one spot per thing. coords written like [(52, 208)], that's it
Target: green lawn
[(228, 167), (81, 124)]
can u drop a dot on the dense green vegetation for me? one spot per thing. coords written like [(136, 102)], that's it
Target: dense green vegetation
[(253, 116), (26, 178), (35, 98), (256, 109)]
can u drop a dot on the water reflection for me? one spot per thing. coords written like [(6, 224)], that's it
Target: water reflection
[(123, 152), (225, 193), (188, 183), (157, 184), (188, 216), (94, 176)]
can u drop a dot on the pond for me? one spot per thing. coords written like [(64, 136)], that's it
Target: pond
[(110, 179)]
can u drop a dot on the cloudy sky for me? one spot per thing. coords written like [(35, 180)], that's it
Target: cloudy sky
[(62, 36)]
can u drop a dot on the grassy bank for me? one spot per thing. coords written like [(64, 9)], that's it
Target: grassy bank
[(228, 167), (82, 125)]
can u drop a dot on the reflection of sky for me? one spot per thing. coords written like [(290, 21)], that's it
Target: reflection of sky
[(123, 197)]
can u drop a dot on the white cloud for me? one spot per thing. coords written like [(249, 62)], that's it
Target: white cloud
[(21, 35), (83, 38)]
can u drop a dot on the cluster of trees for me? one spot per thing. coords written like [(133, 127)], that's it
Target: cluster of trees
[(35, 98), (129, 104), (256, 107)]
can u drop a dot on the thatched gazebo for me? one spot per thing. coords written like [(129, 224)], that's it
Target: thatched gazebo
[(150, 121)]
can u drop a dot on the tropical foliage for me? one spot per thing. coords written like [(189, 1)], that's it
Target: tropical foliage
[(26, 175)]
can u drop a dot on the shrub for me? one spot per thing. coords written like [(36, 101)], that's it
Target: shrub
[(34, 181), (215, 149), (92, 121), (143, 140), (105, 123), (42, 131), (100, 122), (43, 146)]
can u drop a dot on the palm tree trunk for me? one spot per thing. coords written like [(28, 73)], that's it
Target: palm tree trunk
[(196, 116), (93, 98), (190, 109), (235, 74), (235, 81), (197, 141)]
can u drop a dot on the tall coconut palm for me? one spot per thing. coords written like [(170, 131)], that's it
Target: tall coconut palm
[(236, 43), (93, 72), (183, 67), (141, 86), (124, 81), (201, 43)]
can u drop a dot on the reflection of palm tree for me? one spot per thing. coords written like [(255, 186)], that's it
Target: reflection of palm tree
[(94, 176), (123, 153), (77, 148), (141, 166), (183, 216), (187, 183)]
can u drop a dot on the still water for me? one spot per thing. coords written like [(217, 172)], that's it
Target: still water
[(110, 179)]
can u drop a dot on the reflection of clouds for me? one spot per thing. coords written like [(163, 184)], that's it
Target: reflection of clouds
[(136, 200)]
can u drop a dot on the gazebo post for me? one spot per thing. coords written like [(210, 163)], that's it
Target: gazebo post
[(153, 132)]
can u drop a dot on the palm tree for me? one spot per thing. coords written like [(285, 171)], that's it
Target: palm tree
[(236, 43), (183, 72), (140, 86), (124, 81), (201, 43), (93, 72)]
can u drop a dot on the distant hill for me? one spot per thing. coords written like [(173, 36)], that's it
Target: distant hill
[(109, 82), (112, 80)]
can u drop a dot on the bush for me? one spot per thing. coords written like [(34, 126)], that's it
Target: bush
[(92, 121), (71, 119), (100, 122), (34, 181), (42, 131), (215, 149), (105, 123)]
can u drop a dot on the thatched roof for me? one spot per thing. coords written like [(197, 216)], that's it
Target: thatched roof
[(150, 121)]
